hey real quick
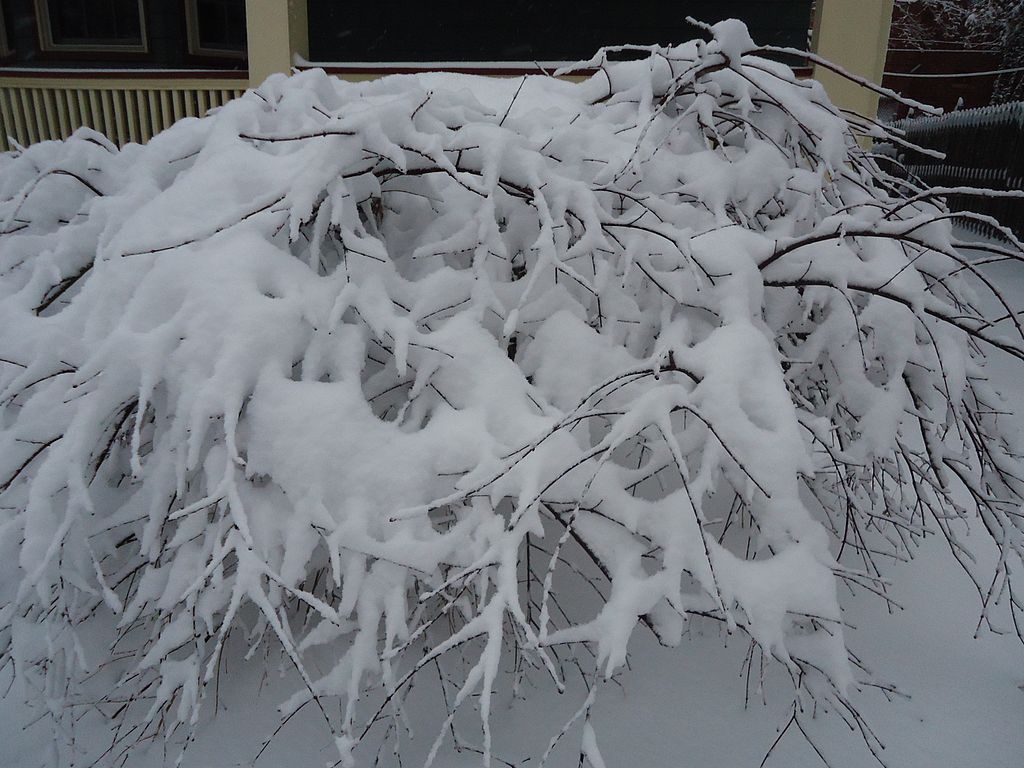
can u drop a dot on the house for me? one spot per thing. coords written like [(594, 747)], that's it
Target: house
[(129, 68)]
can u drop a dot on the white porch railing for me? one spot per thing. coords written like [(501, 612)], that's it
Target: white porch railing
[(125, 106)]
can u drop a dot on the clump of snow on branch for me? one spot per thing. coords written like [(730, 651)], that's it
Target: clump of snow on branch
[(372, 373)]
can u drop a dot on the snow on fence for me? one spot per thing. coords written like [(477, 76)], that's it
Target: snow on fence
[(983, 147), (126, 109)]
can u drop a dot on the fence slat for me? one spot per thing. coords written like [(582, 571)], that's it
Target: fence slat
[(984, 148)]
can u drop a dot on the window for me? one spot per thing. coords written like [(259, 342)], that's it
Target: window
[(90, 25), (216, 27)]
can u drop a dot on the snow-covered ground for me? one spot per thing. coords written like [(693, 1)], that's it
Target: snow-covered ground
[(684, 707)]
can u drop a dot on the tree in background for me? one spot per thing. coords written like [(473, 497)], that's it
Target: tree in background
[(980, 25)]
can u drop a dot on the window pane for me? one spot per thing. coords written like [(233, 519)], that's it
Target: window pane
[(95, 22), (128, 21), (221, 24)]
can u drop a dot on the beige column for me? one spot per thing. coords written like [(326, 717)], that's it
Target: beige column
[(855, 35), (277, 30)]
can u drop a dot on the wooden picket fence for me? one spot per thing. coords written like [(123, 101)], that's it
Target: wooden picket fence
[(983, 147)]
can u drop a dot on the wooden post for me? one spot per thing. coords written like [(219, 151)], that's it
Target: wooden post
[(277, 31), (855, 35)]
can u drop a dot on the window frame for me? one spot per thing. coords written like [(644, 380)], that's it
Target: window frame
[(5, 48), (47, 43), (195, 46)]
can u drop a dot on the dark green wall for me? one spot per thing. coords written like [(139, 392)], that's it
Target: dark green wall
[(528, 30)]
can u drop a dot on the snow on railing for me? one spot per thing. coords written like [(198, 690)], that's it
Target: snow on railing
[(983, 147)]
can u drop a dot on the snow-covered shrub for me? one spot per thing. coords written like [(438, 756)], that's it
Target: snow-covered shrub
[(373, 373)]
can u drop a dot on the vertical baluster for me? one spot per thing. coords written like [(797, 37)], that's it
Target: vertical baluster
[(31, 135), (109, 127), (6, 119)]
